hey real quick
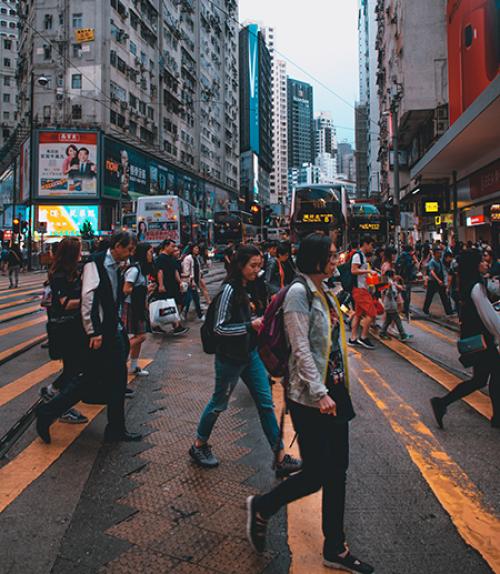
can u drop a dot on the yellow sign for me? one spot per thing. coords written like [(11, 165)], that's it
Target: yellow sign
[(495, 212), (370, 226), (431, 207), (84, 35), (437, 220), (317, 218)]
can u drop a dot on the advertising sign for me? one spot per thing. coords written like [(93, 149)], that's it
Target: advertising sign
[(67, 164), (431, 207), (253, 75), (125, 172), (84, 35), (68, 219), (24, 172), (476, 220), (159, 219)]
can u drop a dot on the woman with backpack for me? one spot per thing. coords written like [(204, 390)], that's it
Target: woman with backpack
[(134, 310), (319, 402), (235, 329)]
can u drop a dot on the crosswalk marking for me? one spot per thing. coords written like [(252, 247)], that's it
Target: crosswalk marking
[(25, 325), (26, 382), (13, 294), (16, 303), (454, 490), (20, 313), (435, 332), (5, 355), (36, 458)]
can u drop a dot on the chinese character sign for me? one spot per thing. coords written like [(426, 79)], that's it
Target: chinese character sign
[(68, 219), (67, 164)]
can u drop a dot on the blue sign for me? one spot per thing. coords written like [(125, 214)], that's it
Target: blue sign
[(253, 74)]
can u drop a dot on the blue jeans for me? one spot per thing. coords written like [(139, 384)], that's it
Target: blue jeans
[(254, 375), (193, 295)]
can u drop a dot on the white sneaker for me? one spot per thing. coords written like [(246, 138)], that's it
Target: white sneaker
[(202, 318), (138, 372)]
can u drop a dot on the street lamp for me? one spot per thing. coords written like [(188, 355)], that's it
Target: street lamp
[(43, 81)]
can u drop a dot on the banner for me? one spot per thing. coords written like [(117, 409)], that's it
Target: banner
[(67, 164), (68, 219)]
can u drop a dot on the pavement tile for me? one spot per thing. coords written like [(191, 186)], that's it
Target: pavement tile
[(188, 568), (189, 543), (135, 561), (142, 529), (234, 556)]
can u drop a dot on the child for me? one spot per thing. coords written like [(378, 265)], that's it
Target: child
[(390, 298)]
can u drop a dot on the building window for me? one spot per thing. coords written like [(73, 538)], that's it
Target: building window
[(6, 115), (133, 48), (77, 20), (3, 23), (5, 133), (12, 25), (76, 50), (6, 80), (47, 51), (132, 100), (47, 22), (112, 117), (46, 113), (6, 98), (7, 62), (76, 81), (76, 112), (7, 44)]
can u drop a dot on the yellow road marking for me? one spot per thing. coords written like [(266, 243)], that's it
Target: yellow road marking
[(429, 329), (13, 295), (20, 313), (16, 303), (4, 287), (12, 350), (456, 493), (36, 458), (21, 385), (25, 325), (477, 400)]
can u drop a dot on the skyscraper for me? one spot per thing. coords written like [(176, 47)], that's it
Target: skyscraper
[(325, 145), (8, 63), (300, 123), (255, 116)]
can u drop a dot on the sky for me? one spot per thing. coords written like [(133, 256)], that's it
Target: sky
[(320, 36)]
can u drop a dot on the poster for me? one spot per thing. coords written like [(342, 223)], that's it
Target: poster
[(68, 219), (67, 164), (125, 171)]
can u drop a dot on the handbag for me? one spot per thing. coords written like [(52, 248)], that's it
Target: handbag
[(60, 331), (472, 350), (163, 312)]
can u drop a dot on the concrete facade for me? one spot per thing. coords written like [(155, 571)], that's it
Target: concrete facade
[(325, 142), (8, 64)]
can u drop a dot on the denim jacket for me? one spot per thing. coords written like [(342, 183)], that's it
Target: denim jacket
[(309, 332)]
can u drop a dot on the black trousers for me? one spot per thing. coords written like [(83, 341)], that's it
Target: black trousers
[(74, 358), (110, 364), (488, 370), (324, 448), (432, 288)]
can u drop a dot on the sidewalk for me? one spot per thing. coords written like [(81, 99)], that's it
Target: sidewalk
[(168, 514)]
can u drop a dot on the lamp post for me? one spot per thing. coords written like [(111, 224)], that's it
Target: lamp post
[(397, 190), (43, 81)]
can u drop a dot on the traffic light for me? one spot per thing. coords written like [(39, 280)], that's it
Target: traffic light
[(268, 212), (15, 225), (256, 211)]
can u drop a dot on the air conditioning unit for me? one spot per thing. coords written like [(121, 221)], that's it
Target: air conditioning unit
[(123, 105)]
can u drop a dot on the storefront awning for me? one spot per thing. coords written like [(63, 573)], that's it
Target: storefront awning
[(472, 142)]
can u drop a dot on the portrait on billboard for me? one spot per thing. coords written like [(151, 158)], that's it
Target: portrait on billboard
[(67, 164), (126, 173)]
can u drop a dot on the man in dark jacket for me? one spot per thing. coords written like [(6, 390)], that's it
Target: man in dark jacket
[(101, 299), (275, 271)]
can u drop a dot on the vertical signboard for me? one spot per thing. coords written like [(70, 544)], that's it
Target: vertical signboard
[(253, 74), (24, 172), (67, 164)]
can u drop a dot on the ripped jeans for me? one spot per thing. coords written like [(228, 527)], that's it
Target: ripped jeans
[(254, 375)]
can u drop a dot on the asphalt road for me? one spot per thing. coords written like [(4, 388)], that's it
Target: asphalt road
[(420, 500)]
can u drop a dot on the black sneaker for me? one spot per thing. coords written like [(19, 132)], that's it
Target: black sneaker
[(353, 343), (47, 393), (366, 343), (129, 393), (287, 466), (349, 563), (256, 527), (73, 417), (439, 411), (180, 331), (203, 456)]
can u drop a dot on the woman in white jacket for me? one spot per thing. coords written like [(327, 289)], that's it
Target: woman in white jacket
[(192, 275)]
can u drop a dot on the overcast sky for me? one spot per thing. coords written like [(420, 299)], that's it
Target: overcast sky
[(321, 37)]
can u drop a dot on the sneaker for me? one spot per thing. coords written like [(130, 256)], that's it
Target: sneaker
[(406, 337), (180, 331), (349, 563), (203, 456), (366, 343), (129, 393), (138, 372), (256, 527), (439, 411), (352, 343), (384, 336), (287, 466), (202, 318), (73, 417), (47, 393)]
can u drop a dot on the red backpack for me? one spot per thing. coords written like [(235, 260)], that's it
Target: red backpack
[(274, 349)]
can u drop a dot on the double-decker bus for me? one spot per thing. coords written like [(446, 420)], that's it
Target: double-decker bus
[(234, 226), (319, 207), (163, 217), (366, 219)]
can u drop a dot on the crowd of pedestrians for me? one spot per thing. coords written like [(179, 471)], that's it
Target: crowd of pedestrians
[(102, 308)]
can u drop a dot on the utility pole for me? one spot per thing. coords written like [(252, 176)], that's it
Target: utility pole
[(32, 168), (455, 206), (397, 191)]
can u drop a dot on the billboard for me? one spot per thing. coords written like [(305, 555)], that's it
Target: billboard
[(68, 219), (473, 54), (24, 172), (126, 171), (67, 164), (253, 75)]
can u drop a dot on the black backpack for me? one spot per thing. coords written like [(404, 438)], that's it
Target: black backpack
[(347, 279), (208, 335)]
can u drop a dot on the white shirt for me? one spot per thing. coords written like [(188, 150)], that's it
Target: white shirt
[(361, 279)]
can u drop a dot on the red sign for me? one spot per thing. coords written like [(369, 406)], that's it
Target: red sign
[(476, 220)]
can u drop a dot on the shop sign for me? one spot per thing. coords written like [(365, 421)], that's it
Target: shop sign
[(84, 35), (431, 207), (476, 220), (486, 181), (495, 212), (64, 220), (444, 218), (370, 226), (323, 218)]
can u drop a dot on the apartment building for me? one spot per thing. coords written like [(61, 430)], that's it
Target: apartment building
[(8, 62)]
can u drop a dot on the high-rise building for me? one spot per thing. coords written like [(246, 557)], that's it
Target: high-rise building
[(156, 81), (346, 163), (300, 123), (325, 147), (256, 116), (362, 122), (8, 64)]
